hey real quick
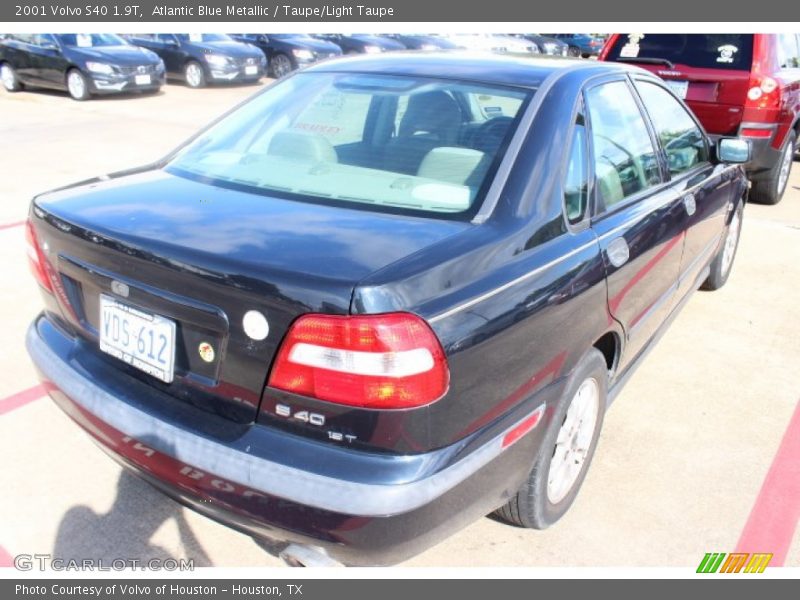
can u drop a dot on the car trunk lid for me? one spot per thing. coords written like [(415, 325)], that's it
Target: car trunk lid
[(202, 256)]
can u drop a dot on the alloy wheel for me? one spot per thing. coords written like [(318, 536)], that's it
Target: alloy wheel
[(731, 240), (574, 441)]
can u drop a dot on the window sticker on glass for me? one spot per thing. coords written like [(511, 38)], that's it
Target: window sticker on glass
[(726, 53), (632, 48), (196, 37), (83, 40)]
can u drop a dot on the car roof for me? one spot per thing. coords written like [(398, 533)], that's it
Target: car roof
[(485, 67)]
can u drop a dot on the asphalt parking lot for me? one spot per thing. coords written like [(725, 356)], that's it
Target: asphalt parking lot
[(699, 453)]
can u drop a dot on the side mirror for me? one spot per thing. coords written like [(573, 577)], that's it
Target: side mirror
[(733, 150), (50, 47)]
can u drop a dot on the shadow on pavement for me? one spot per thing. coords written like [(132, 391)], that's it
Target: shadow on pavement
[(125, 531)]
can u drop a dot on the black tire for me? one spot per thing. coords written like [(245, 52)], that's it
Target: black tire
[(192, 80), (531, 506), (574, 51), (770, 189), (281, 65), (82, 93), (11, 81), (720, 269)]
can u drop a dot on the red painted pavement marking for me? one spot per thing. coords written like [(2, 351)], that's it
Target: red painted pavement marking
[(6, 559), (773, 519), (21, 398), (11, 225)]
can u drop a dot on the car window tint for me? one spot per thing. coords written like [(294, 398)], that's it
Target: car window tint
[(395, 142), (682, 140), (709, 51), (625, 161), (788, 53), (576, 180)]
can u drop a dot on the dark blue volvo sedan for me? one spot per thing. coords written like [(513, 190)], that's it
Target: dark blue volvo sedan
[(384, 297)]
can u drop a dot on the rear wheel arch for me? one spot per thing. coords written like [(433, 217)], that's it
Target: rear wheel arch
[(609, 345)]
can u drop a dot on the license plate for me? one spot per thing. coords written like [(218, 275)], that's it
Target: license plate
[(250, 70), (141, 339), (143, 80), (679, 87)]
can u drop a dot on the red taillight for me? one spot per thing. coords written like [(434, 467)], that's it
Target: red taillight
[(763, 91), (36, 260), (373, 361)]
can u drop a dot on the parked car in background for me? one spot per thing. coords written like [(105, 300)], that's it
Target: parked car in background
[(547, 45), (83, 64), (423, 41), (362, 43), (580, 44), (287, 52), (376, 301), (737, 84), (489, 42), (201, 58)]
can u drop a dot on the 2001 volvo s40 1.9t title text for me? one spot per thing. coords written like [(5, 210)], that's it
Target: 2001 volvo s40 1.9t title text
[(385, 296)]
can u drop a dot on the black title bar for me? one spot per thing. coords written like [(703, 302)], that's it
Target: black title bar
[(365, 11)]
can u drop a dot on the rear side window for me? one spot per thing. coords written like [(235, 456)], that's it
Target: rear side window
[(730, 51), (576, 181), (625, 161), (788, 52), (680, 137)]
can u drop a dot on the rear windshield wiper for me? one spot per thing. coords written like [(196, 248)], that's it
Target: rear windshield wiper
[(648, 60)]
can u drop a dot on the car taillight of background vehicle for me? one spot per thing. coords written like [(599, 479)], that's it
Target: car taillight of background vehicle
[(386, 361), (763, 92), (36, 260)]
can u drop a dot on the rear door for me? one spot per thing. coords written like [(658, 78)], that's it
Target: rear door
[(50, 62), (789, 74), (638, 218), (706, 190), (19, 55), (172, 53)]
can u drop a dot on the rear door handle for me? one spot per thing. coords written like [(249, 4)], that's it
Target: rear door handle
[(618, 252), (690, 204)]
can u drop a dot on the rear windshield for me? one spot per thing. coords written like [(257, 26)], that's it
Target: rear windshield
[(385, 142), (732, 51)]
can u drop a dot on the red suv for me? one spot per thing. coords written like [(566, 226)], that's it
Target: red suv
[(737, 84)]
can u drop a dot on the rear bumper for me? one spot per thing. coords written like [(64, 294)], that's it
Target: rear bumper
[(764, 156), (359, 508)]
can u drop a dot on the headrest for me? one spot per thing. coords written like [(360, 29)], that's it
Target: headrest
[(302, 145), (454, 165)]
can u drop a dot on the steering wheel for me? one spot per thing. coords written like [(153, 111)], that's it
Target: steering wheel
[(488, 137)]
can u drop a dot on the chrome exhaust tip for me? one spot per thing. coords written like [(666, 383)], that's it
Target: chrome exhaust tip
[(295, 555)]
